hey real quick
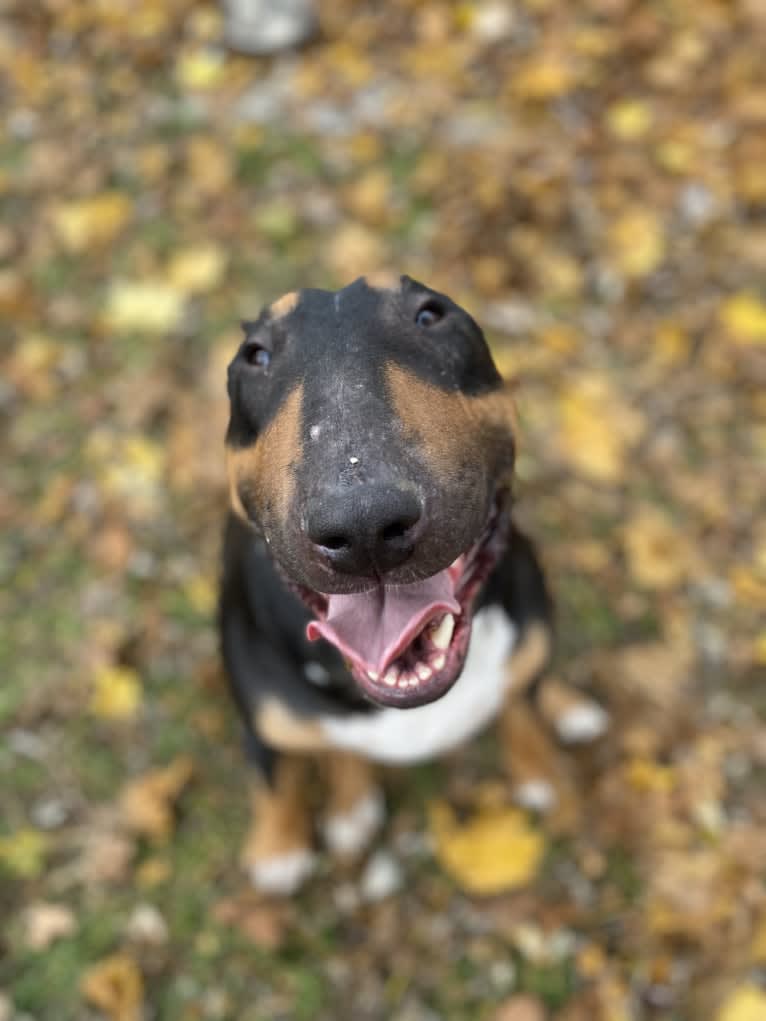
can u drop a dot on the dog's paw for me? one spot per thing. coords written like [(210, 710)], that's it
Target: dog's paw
[(349, 833), (282, 874), (574, 717)]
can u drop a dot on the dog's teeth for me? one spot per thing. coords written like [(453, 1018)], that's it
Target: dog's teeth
[(423, 671), (391, 676), (439, 661), (442, 636), (372, 675), (404, 681)]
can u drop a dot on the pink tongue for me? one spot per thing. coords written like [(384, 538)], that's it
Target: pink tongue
[(373, 628)]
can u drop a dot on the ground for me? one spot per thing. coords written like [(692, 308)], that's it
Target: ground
[(589, 180)]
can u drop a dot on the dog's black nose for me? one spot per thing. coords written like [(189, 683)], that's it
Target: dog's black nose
[(365, 530)]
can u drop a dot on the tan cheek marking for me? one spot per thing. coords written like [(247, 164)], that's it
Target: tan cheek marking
[(267, 469), (284, 305), (450, 426), (285, 731), (383, 280)]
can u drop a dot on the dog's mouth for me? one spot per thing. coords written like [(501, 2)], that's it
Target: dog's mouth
[(405, 645)]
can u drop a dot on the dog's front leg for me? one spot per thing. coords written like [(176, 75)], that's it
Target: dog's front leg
[(355, 806), (278, 853)]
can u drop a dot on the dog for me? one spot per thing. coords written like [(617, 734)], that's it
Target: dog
[(378, 602)]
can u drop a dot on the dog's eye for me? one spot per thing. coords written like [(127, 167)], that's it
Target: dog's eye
[(429, 314), (257, 355)]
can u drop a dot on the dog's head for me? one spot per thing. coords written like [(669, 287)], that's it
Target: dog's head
[(371, 444)]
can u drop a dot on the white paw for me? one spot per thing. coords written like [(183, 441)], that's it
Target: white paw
[(350, 832), (536, 795), (284, 873), (581, 723)]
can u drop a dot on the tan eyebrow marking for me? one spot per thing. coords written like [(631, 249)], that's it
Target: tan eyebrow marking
[(267, 468), (284, 305), (383, 280)]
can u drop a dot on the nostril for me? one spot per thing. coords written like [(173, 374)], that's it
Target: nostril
[(397, 529), (334, 542)]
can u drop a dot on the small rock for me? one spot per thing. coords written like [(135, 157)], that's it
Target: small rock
[(146, 925), (381, 878)]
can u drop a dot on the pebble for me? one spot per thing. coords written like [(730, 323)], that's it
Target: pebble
[(381, 878)]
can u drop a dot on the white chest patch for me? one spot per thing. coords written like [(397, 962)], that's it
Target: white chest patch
[(404, 736)]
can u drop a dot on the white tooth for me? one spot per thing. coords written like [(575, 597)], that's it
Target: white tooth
[(372, 675), (423, 671), (390, 676), (439, 661), (404, 681), (414, 682), (442, 636)]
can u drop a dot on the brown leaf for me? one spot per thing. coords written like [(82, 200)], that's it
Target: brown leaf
[(44, 923), (520, 1008), (116, 987), (147, 803)]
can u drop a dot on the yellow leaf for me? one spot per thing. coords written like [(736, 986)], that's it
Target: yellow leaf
[(546, 76), (629, 119), (648, 776), (202, 593), (143, 307), (497, 850), (749, 589), (23, 852), (746, 1004), (637, 242), (197, 269), (116, 693), (201, 69), (115, 986), (744, 317), (92, 221), (597, 427), (659, 557)]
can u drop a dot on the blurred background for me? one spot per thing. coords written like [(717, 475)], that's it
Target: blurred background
[(589, 180)]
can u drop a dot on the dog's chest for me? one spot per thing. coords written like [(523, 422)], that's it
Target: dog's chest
[(404, 736)]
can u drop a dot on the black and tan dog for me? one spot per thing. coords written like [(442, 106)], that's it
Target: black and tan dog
[(378, 602)]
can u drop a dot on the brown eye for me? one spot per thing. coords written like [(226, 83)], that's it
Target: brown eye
[(429, 314), (257, 355)]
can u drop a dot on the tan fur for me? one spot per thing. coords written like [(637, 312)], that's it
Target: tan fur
[(528, 752), (529, 657), (449, 426), (284, 306), (383, 280), (266, 469), (281, 820), (349, 779), (286, 731)]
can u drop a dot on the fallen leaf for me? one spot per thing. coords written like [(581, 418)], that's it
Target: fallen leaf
[(197, 269), (115, 986), (147, 803), (93, 221), (24, 852), (597, 426), (744, 318), (746, 1004), (116, 693), (659, 555), (143, 307), (629, 119), (496, 850), (264, 923), (637, 242), (44, 923)]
